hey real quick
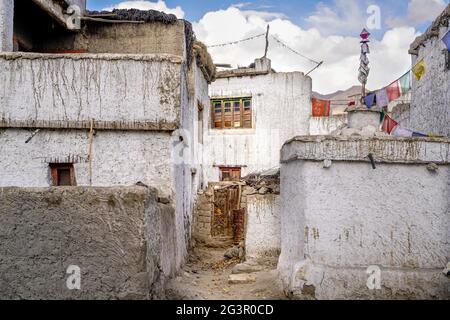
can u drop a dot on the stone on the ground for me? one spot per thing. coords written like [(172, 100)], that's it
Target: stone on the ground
[(245, 268), (447, 270), (232, 253), (241, 279)]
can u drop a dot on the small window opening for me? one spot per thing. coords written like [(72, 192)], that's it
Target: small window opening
[(230, 174), (62, 174)]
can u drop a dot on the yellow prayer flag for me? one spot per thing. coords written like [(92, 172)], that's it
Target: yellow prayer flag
[(419, 69)]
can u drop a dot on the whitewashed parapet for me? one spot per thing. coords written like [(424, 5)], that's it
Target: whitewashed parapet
[(383, 149), (71, 90)]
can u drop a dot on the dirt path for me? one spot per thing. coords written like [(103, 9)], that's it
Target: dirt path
[(206, 277)]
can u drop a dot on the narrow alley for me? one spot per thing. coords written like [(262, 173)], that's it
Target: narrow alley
[(206, 276)]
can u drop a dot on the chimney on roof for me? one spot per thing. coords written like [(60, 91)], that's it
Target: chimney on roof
[(263, 65)]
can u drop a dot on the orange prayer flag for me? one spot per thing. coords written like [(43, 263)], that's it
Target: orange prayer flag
[(321, 108)]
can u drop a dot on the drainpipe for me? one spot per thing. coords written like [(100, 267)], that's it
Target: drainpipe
[(6, 25)]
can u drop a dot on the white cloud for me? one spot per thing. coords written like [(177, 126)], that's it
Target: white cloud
[(389, 57), (343, 17), (148, 5), (241, 5), (419, 11)]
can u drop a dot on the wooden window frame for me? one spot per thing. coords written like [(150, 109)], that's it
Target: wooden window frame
[(228, 118), (224, 169), (55, 167)]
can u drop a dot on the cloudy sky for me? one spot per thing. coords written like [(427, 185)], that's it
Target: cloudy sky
[(322, 30)]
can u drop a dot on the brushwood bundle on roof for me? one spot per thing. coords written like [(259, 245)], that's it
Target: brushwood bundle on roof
[(136, 15), (205, 61)]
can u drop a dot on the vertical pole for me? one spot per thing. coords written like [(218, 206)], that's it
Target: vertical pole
[(6, 25), (267, 41), (91, 138)]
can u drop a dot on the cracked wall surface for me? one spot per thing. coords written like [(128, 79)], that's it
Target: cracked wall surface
[(262, 237), (79, 88), (339, 219), (121, 238), (119, 158)]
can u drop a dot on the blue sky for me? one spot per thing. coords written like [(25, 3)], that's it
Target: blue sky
[(196, 9), (325, 30)]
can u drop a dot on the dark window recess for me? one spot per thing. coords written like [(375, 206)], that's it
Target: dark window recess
[(233, 113), (200, 123), (447, 59), (62, 174), (230, 174)]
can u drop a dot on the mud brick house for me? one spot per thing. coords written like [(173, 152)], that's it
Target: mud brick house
[(103, 100), (254, 110)]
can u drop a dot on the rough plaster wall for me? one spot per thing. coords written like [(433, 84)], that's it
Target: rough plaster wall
[(326, 125), (143, 38), (119, 157), (348, 217), (157, 38), (281, 110), (102, 87), (262, 238), (186, 155), (430, 111), (6, 25), (401, 114), (202, 96), (113, 234)]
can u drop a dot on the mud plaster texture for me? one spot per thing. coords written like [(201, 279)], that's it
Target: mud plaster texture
[(339, 218), (77, 88), (121, 238)]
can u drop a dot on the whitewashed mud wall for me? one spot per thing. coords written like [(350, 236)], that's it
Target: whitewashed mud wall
[(263, 231), (139, 104), (338, 220), (430, 105), (140, 90), (6, 25), (326, 125), (118, 157), (187, 156), (281, 104)]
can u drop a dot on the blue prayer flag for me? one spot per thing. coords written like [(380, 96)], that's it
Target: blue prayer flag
[(446, 40), (369, 100)]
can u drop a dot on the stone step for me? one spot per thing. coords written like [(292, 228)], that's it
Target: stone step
[(241, 279)]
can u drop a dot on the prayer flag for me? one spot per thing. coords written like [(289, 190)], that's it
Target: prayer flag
[(446, 40), (369, 100), (419, 69), (382, 98), (393, 91), (402, 132), (321, 108), (389, 124), (405, 83), (418, 134)]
